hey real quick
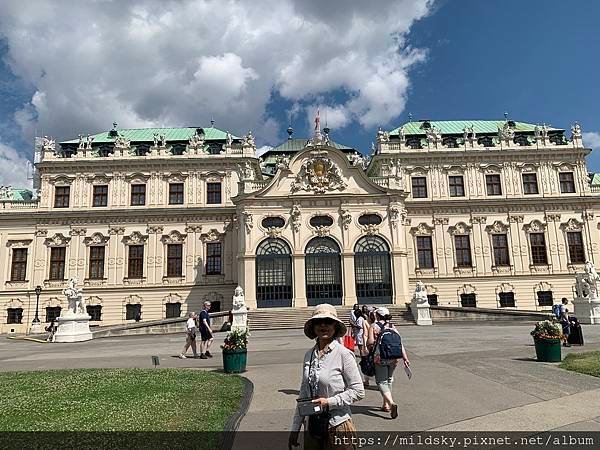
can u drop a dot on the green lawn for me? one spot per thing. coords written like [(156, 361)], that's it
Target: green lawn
[(118, 400), (588, 363)]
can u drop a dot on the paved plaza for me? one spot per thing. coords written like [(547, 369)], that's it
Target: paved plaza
[(466, 377)]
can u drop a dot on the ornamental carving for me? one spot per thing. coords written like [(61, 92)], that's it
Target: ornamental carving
[(370, 229), (479, 219), (296, 216), (193, 228), (116, 230), (572, 225), (22, 243), (459, 228), (154, 229), (395, 213), (441, 221), (422, 229), (174, 237), (322, 231), (77, 231), (58, 240), (504, 287), (41, 233), (96, 239), (497, 227), (273, 232), (515, 219), (346, 217), (135, 238), (535, 227), (318, 174), (211, 236), (248, 221), (552, 217)]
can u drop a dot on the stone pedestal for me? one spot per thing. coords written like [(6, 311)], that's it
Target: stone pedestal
[(73, 328), (587, 310), (421, 313), (36, 328), (240, 319)]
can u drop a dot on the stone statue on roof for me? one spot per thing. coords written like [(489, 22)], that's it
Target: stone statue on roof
[(81, 142), (228, 139), (576, 130), (249, 139), (88, 143), (401, 135), (536, 132), (544, 131), (162, 140), (48, 144), (121, 142), (196, 140), (6, 193), (433, 135), (383, 136), (506, 133), (156, 139)]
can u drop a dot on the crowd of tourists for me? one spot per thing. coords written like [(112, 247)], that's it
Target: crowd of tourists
[(198, 324), (332, 380)]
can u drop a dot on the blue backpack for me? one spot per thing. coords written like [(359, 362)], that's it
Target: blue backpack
[(556, 311), (390, 343)]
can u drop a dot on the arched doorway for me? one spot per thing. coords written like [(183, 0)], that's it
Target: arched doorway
[(273, 274), (372, 270), (323, 272)]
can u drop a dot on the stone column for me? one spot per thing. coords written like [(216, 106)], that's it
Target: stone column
[(400, 279), (348, 278), (299, 281)]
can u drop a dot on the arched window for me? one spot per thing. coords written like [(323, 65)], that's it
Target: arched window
[(323, 272), (273, 222), (372, 270), (321, 221), (273, 274)]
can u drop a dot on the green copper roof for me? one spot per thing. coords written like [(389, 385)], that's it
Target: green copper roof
[(595, 179), (295, 145), (457, 126), (147, 134), (21, 195)]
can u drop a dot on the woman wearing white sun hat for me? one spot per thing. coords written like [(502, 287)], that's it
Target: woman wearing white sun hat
[(330, 380)]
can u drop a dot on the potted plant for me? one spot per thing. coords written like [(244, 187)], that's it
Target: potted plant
[(235, 351), (547, 337)]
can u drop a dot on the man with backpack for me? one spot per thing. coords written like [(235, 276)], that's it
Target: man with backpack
[(386, 344)]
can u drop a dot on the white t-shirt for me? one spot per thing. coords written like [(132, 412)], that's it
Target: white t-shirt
[(191, 323)]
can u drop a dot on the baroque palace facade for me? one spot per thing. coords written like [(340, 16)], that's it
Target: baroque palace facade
[(152, 222)]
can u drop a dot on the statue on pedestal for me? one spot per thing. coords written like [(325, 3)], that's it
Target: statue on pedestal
[(239, 311), (420, 305), (587, 302), (75, 298), (73, 324)]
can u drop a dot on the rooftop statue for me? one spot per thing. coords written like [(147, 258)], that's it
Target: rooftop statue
[(81, 142), (88, 143), (121, 142), (48, 144), (6, 193), (249, 139), (228, 139), (576, 130)]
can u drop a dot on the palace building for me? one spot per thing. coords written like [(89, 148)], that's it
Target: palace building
[(152, 222)]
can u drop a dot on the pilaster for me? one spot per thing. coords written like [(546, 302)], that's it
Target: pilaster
[(517, 240), (348, 277), (299, 282)]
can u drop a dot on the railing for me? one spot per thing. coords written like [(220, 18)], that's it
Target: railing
[(595, 189), (381, 181), (253, 185), (13, 204)]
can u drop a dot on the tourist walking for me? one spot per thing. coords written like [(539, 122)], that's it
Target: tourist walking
[(368, 320), (190, 336), (384, 340), (206, 333), (352, 318), (564, 321), (51, 329), (358, 331), (330, 382)]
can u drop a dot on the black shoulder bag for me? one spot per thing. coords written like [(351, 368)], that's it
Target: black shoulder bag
[(318, 424)]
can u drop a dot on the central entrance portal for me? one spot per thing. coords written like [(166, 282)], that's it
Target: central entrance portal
[(323, 272)]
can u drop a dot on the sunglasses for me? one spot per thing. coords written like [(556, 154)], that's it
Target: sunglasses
[(324, 322)]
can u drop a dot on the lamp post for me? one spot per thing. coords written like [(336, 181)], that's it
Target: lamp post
[(36, 326)]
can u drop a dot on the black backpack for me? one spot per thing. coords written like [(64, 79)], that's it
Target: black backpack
[(390, 343)]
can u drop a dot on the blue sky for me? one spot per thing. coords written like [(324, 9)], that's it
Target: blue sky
[(467, 59)]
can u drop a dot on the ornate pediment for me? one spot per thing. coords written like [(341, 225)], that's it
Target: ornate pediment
[(135, 238), (497, 227), (318, 174), (212, 236), (174, 237), (96, 239), (535, 227), (459, 228), (422, 229), (572, 225), (58, 240)]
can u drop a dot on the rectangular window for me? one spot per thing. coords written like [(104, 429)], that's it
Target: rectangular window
[(575, 242), (173, 310), (213, 193), (500, 246), (213, 258), (176, 194), (138, 194), (530, 184), (57, 263), (538, 248), (468, 300), (52, 313), (95, 312), (462, 244), (425, 252), (61, 196), (14, 315), (419, 187), (432, 299), (100, 196), (567, 182), (493, 185), (18, 271), (507, 299), (174, 258), (133, 312), (545, 298), (135, 267), (457, 186), (97, 263)]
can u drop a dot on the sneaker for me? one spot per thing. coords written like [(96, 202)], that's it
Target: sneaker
[(182, 356), (203, 356), (208, 354), (394, 412)]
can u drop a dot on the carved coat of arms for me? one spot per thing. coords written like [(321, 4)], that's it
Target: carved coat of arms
[(318, 174)]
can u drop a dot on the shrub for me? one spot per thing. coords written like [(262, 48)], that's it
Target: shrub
[(547, 329), (236, 340)]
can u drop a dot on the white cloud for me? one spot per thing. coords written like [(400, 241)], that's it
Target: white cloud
[(165, 62), (13, 168), (592, 140)]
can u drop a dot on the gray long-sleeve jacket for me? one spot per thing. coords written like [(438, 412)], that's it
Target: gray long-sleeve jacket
[(338, 378)]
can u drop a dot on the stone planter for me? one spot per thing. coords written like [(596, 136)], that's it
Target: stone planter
[(234, 361), (547, 350)]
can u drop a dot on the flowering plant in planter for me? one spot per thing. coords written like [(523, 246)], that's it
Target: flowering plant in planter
[(546, 330), (236, 340)]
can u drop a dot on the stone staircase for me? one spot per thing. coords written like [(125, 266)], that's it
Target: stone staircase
[(294, 318)]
